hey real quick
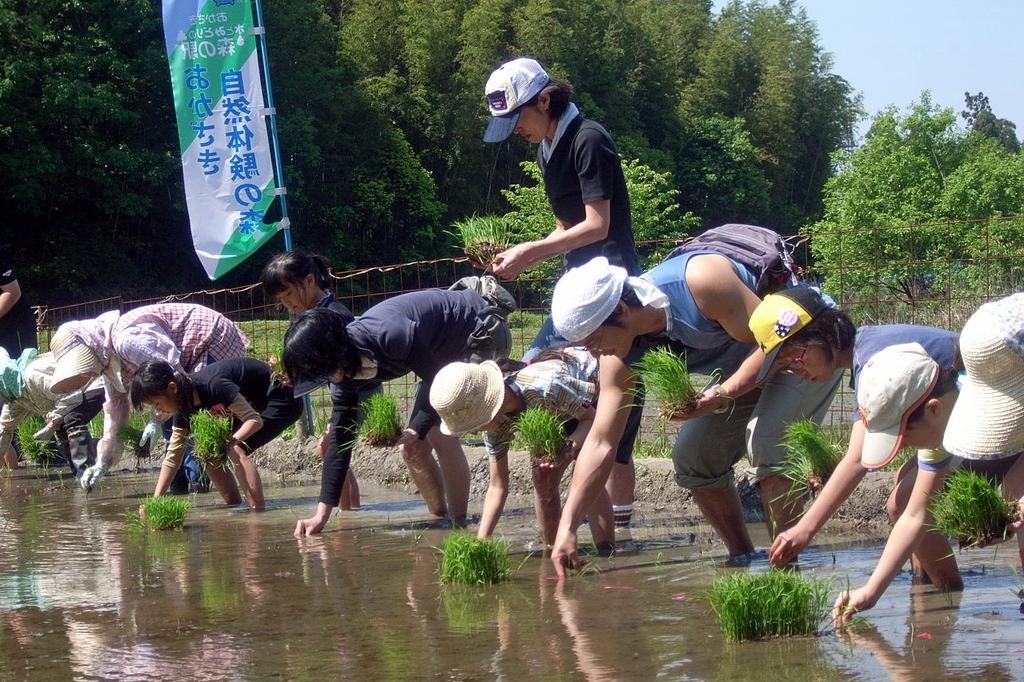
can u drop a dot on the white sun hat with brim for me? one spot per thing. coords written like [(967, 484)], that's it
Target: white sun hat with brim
[(988, 419), (894, 382), (467, 396), (509, 87), (75, 360)]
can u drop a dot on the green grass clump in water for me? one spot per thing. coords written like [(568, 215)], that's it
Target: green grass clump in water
[(773, 604), (541, 433), (35, 451), (161, 513), (972, 510), (131, 432), (381, 425), (210, 434), (667, 379), (484, 237), (467, 559), (811, 457)]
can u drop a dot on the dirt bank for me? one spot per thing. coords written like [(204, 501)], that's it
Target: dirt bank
[(656, 490)]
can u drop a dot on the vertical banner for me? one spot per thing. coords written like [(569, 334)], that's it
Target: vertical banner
[(225, 149)]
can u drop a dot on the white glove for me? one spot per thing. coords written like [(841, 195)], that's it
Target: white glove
[(151, 435), (91, 475), (43, 434)]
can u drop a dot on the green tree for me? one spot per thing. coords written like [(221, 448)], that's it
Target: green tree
[(980, 118), (907, 215)]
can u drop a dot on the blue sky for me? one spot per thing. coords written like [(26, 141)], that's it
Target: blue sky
[(890, 51)]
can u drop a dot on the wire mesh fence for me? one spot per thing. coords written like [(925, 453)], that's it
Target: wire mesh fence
[(934, 274)]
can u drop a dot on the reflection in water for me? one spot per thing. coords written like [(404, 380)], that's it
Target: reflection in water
[(233, 596)]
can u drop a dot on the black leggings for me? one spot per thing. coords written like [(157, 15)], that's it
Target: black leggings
[(75, 439)]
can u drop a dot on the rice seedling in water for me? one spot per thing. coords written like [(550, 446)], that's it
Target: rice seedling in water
[(160, 513), (972, 510), (35, 451), (210, 434), (541, 433), (470, 608), (467, 559), (811, 457), (131, 433), (484, 237), (381, 424), (667, 378), (773, 604)]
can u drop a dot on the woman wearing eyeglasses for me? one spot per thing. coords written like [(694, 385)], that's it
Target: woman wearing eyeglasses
[(817, 345)]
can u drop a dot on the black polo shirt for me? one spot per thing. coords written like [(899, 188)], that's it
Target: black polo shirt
[(219, 383), (584, 167)]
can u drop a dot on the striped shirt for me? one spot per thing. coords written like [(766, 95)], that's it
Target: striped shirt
[(563, 382)]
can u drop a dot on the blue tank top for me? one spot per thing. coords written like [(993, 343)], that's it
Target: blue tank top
[(708, 345)]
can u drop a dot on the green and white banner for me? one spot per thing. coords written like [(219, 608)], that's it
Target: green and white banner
[(225, 148)]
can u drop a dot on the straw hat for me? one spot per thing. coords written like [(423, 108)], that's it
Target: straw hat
[(895, 381), (467, 396), (74, 359), (988, 419)]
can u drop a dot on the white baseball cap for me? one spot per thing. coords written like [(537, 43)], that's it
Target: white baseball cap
[(893, 383), (510, 86), (988, 419)]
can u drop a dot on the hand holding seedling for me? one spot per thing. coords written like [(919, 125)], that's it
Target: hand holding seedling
[(707, 402), (849, 604), (788, 545), (314, 524), (563, 553), (510, 263)]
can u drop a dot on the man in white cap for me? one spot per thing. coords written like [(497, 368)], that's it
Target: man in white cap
[(587, 192), (985, 422), (700, 300)]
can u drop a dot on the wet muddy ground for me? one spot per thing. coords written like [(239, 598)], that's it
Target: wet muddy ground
[(234, 596)]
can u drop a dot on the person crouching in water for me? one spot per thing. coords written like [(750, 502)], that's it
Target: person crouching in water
[(472, 397), (260, 407)]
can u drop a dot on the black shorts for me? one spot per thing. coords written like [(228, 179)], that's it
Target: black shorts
[(282, 410)]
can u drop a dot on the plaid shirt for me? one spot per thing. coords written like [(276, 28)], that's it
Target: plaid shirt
[(563, 382), (182, 334)]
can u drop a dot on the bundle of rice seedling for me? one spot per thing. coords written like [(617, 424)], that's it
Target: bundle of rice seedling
[(467, 559), (773, 604), (131, 433), (811, 457), (160, 513), (32, 450), (484, 237), (667, 379), (381, 425), (210, 438), (972, 510), (541, 433)]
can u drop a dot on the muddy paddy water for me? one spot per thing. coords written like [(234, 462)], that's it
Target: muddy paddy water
[(234, 596)]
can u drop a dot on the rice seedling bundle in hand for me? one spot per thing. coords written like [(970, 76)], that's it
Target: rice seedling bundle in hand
[(541, 433), (467, 559), (667, 378), (811, 457), (35, 451), (972, 510), (210, 438), (484, 237), (773, 604), (161, 513), (131, 433), (381, 425)]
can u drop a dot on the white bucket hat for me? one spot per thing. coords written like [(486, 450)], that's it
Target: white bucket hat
[(894, 383), (585, 297), (510, 86), (988, 419), (467, 395)]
